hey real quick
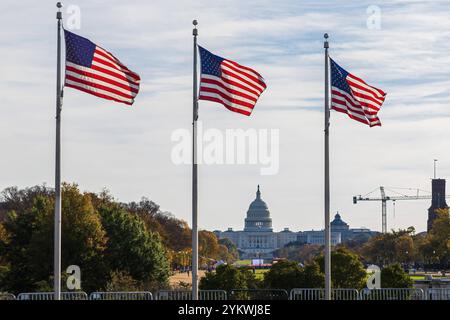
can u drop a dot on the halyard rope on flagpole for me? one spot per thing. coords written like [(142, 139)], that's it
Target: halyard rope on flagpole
[(327, 252), (194, 171), (57, 226)]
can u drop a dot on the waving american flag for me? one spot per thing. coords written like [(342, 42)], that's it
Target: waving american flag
[(351, 95), (94, 70), (229, 83)]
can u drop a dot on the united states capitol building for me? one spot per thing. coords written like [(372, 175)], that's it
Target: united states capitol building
[(258, 240)]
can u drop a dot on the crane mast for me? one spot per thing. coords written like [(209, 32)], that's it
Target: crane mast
[(383, 211), (384, 199)]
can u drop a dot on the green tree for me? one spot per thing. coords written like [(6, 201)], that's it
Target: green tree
[(284, 275), (392, 247), (4, 240), (175, 233), (231, 254), (393, 276), (122, 281), (19, 200), (30, 250), (131, 248), (347, 271), (300, 252), (4, 270), (22, 226), (289, 274), (423, 251), (439, 237), (83, 237), (208, 245), (227, 277), (313, 276)]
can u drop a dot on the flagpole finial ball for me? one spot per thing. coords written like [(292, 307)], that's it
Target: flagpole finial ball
[(195, 22), (59, 5), (325, 35)]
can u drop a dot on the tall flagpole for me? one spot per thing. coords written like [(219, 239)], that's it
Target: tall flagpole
[(194, 173), (327, 177), (57, 239)]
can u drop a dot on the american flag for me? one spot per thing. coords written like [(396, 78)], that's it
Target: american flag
[(94, 70), (229, 83), (351, 95)]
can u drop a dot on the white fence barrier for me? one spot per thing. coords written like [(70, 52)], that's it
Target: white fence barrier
[(307, 294), (391, 294), (187, 295), (437, 294), (51, 296), (141, 295), (344, 294), (319, 294), (295, 294), (213, 295), (259, 294)]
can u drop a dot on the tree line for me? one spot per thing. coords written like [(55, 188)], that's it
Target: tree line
[(346, 268), (115, 244), (404, 246), (303, 265), (430, 249), (135, 246)]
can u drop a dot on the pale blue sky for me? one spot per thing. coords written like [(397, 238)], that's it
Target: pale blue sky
[(127, 150)]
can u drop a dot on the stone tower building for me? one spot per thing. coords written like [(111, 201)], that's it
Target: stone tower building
[(437, 200)]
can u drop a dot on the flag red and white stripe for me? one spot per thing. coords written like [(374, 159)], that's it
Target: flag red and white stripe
[(101, 74), (226, 82), (353, 96)]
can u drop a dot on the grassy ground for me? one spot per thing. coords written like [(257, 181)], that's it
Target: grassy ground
[(184, 278), (422, 277), (243, 263), (259, 273)]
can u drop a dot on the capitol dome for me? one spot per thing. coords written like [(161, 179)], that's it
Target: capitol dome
[(258, 215), (338, 224)]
